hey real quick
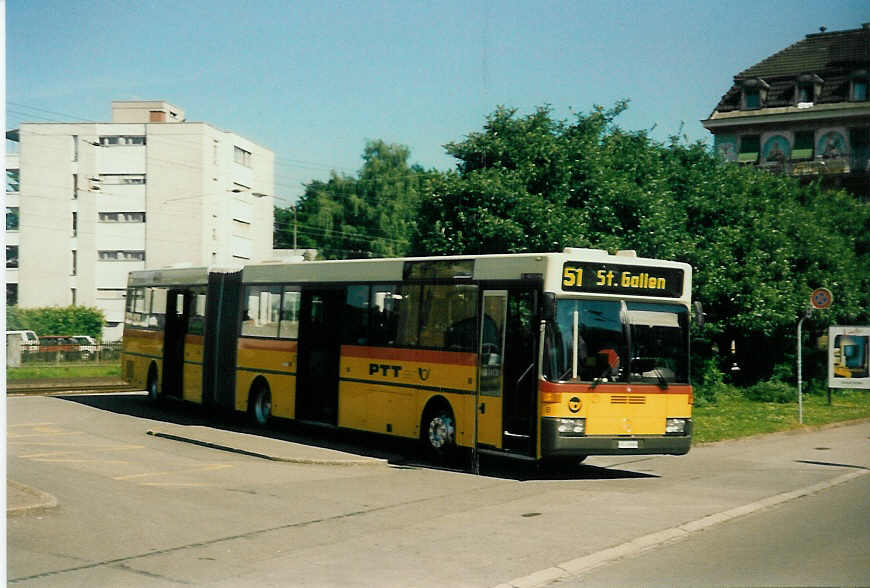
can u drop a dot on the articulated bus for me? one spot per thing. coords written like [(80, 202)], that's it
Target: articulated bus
[(538, 356)]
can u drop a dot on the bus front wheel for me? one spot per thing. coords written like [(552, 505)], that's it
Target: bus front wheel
[(261, 405), (438, 433)]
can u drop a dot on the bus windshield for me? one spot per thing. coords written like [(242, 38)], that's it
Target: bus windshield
[(618, 341)]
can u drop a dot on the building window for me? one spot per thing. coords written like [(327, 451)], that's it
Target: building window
[(72, 291), (75, 265), (121, 140), (75, 186), (75, 224), (12, 256), (12, 218), (806, 93), (11, 294), (859, 90), (122, 179), (12, 182), (752, 99), (809, 88), (121, 255), (241, 156), (803, 145), (122, 217), (750, 145), (75, 140)]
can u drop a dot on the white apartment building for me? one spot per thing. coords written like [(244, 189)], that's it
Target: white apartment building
[(86, 203)]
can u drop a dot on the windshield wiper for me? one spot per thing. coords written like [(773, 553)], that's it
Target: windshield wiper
[(660, 376)]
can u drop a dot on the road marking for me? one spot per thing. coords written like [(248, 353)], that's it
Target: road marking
[(59, 434), (30, 425), (176, 484), (211, 467), (80, 460), (56, 453)]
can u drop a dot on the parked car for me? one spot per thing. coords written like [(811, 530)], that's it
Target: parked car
[(26, 338), (87, 345), (65, 345)]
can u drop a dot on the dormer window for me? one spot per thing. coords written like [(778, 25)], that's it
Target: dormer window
[(858, 86), (754, 94), (809, 88), (751, 98)]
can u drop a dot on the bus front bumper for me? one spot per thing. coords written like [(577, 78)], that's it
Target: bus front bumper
[(555, 444)]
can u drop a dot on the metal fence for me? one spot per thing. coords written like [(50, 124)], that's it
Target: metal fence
[(70, 354)]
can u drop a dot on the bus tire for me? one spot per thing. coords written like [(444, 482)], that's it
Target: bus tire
[(438, 432), (260, 404), (152, 386)]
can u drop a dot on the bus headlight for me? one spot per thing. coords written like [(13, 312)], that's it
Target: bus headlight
[(675, 426), (571, 427)]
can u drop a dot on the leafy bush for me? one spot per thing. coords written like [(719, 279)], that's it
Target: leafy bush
[(708, 382), (56, 320), (771, 391)]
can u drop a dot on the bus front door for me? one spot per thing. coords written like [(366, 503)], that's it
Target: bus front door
[(491, 381), (318, 360)]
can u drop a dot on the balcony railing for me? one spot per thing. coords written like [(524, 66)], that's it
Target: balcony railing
[(842, 164)]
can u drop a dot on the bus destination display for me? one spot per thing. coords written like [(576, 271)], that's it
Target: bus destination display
[(622, 279)]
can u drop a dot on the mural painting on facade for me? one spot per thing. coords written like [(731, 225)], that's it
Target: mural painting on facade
[(831, 145), (726, 147), (776, 150)]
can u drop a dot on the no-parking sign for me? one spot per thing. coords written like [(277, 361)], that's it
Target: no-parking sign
[(821, 298)]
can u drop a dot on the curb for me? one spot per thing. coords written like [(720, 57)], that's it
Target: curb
[(576, 567), (39, 500), (368, 461)]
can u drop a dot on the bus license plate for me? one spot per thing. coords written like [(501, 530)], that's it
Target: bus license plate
[(627, 444)]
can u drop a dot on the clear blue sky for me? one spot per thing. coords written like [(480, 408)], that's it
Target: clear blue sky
[(314, 80)]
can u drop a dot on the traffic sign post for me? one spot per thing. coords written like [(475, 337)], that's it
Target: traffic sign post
[(820, 299)]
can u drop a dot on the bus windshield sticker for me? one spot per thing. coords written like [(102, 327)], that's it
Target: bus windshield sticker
[(606, 278)]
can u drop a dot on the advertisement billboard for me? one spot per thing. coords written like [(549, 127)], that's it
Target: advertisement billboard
[(849, 357)]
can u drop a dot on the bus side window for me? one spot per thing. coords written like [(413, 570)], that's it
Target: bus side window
[(449, 317), (385, 303), (262, 306), (408, 322), (289, 327), (355, 324), (196, 323)]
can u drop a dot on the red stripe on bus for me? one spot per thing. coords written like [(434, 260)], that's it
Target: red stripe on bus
[(268, 344), (420, 355), (611, 388)]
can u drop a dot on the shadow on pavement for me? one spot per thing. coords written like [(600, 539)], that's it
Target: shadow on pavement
[(398, 452)]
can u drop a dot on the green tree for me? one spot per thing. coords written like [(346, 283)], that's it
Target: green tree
[(56, 320), (758, 243), (372, 215)]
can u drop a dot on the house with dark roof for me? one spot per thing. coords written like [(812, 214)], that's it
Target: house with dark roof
[(803, 111)]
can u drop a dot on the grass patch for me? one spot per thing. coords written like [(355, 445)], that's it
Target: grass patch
[(76, 371), (734, 416)]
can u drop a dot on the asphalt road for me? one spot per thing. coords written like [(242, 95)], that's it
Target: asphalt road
[(818, 540), (134, 509)]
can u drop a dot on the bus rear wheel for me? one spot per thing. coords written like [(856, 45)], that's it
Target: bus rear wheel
[(261, 405), (153, 392), (438, 433)]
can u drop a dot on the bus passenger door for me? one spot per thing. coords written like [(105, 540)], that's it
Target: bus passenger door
[(318, 355), (174, 333), (492, 347)]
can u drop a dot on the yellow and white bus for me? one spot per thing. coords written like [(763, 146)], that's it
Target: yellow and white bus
[(538, 355)]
